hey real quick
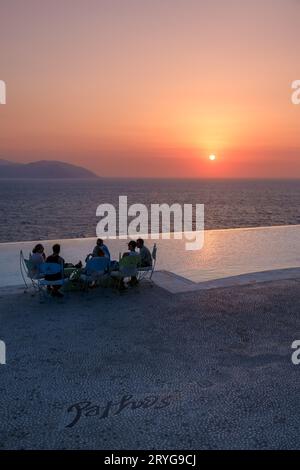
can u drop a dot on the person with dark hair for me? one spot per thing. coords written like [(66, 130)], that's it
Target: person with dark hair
[(146, 258), (39, 249), (131, 252), (36, 258), (131, 249), (101, 249), (57, 259)]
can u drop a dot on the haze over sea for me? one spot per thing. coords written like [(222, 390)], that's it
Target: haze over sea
[(51, 209)]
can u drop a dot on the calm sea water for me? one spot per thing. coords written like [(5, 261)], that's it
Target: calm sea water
[(50, 209)]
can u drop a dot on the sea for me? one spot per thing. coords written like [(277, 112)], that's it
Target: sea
[(59, 209)]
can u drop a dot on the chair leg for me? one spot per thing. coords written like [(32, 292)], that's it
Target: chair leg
[(41, 295)]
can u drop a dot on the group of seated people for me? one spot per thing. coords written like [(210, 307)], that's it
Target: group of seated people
[(144, 253), (38, 256)]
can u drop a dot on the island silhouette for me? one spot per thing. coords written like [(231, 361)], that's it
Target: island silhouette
[(43, 169)]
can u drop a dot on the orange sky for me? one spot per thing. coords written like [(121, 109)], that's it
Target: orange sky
[(152, 87)]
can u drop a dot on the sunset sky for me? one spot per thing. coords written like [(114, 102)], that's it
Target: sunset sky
[(152, 87)]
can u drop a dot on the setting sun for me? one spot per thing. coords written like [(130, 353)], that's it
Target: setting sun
[(212, 157)]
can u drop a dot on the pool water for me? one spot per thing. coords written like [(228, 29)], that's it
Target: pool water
[(226, 253)]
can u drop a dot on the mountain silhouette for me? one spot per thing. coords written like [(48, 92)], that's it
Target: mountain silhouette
[(43, 169)]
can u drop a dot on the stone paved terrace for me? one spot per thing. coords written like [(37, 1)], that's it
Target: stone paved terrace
[(209, 369)]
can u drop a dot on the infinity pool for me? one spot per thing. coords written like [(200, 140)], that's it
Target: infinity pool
[(226, 253)]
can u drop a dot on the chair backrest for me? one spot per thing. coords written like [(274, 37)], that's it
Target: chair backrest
[(50, 268), (25, 268), (28, 264), (97, 265), (128, 265), (154, 251)]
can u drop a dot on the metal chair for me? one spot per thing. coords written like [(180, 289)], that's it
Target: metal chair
[(27, 273), (147, 271), (46, 270), (95, 270), (128, 267)]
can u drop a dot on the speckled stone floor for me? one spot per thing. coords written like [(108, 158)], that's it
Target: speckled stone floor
[(151, 370)]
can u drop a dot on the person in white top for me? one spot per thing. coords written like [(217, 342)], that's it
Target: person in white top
[(36, 258)]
